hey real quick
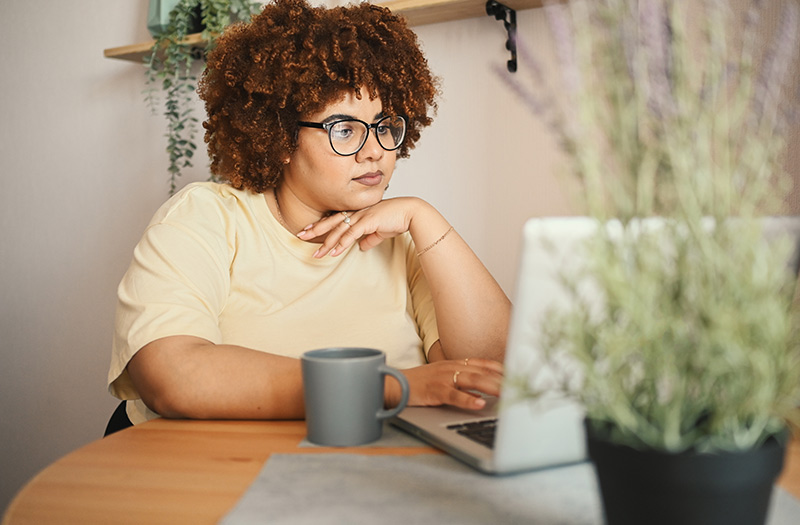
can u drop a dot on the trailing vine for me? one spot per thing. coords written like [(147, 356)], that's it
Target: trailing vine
[(170, 64)]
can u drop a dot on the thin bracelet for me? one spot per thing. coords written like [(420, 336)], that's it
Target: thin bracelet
[(437, 241)]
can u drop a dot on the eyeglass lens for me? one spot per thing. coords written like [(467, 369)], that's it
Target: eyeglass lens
[(348, 136)]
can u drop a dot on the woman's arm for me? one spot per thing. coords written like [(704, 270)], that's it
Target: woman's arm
[(472, 311), (189, 377)]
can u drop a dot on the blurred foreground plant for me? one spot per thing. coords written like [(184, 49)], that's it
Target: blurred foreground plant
[(692, 345)]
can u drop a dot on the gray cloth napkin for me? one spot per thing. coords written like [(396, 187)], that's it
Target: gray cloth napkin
[(353, 489)]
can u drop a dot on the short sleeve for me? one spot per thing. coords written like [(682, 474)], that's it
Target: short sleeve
[(178, 281)]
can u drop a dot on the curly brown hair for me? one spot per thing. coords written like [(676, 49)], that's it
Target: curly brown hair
[(293, 60)]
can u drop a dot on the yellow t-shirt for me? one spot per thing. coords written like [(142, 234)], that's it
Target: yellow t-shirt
[(215, 263)]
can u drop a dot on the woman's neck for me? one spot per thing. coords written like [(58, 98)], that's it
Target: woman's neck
[(290, 212)]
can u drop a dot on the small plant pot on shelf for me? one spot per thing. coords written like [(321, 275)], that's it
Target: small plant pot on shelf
[(689, 488), (158, 14)]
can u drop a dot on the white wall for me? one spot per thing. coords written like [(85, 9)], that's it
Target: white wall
[(83, 169), (484, 163)]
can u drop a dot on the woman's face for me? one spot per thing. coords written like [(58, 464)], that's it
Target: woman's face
[(326, 181)]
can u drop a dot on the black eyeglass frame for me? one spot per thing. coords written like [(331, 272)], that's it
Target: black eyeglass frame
[(328, 125)]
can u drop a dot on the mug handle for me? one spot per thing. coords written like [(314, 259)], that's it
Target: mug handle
[(387, 370)]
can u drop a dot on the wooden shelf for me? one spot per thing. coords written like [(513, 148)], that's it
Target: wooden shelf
[(137, 52), (417, 12)]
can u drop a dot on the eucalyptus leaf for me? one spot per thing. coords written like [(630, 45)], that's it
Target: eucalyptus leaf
[(173, 62)]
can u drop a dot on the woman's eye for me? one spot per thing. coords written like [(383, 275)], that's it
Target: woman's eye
[(342, 132)]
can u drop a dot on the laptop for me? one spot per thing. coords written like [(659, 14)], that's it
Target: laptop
[(518, 434), (526, 434)]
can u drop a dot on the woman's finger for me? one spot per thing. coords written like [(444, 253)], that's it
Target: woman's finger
[(489, 364), (332, 228), (325, 225), (349, 235), (465, 400), (339, 239), (480, 379)]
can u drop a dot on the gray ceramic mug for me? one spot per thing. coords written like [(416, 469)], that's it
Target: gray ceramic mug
[(343, 389)]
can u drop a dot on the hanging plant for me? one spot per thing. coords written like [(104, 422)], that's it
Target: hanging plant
[(170, 64)]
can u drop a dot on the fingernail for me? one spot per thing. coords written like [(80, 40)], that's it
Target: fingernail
[(480, 402), (300, 234), (316, 254), (308, 227)]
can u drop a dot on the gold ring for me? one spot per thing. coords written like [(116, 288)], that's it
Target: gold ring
[(466, 362), (455, 378), (346, 218)]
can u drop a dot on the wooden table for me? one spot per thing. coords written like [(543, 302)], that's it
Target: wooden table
[(185, 472)]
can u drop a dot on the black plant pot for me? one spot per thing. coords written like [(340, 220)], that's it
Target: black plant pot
[(689, 488)]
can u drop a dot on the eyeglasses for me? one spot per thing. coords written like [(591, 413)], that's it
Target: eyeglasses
[(348, 136)]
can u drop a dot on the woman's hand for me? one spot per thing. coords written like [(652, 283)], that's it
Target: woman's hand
[(369, 227), (454, 383), (456, 276)]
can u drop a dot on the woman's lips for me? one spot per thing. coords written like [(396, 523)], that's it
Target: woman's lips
[(370, 179)]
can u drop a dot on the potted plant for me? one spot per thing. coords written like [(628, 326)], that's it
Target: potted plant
[(170, 67), (683, 354)]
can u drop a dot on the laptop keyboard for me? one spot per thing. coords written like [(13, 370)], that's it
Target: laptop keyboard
[(479, 431)]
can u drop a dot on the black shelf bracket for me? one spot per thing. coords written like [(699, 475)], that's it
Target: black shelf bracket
[(509, 18)]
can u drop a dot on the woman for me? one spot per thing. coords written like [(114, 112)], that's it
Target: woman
[(308, 110)]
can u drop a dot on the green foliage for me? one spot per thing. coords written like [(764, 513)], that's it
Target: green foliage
[(693, 346), (170, 65)]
